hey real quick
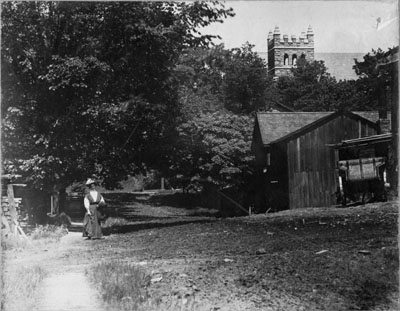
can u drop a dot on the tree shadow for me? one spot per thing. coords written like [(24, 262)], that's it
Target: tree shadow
[(134, 227)]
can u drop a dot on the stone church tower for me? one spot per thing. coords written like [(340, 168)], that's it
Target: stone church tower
[(284, 52)]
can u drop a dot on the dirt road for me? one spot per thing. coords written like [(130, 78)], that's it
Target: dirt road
[(293, 260)]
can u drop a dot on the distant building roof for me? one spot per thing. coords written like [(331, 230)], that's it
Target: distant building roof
[(339, 65), (275, 126)]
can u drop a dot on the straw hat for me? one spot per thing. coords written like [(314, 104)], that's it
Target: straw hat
[(90, 182)]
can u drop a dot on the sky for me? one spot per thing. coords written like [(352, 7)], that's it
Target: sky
[(339, 26)]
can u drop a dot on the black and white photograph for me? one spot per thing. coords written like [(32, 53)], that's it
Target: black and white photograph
[(199, 155)]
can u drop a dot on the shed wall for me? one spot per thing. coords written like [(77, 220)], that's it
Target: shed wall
[(311, 162), (277, 179)]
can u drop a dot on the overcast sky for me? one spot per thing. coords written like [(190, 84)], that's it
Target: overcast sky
[(339, 26)]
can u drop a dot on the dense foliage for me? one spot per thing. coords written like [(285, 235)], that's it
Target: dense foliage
[(217, 79), (376, 78), (312, 88), (89, 87), (214, 148)]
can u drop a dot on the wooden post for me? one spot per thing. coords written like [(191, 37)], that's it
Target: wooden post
[(12, 207), (162, 183), (51, 205)]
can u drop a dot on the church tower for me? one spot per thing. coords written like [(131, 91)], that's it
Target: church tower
[(284, 52)]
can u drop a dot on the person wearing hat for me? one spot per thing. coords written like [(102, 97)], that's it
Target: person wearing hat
[(92, 201)]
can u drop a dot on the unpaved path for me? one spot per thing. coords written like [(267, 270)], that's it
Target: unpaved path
[(67, 288), (68, 291)]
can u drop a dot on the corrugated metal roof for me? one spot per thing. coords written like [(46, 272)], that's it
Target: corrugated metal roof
[(276, 125)]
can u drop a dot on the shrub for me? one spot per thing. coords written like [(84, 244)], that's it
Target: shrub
[(121, 285)]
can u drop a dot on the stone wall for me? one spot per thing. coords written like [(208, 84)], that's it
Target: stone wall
[(280, 56), (294, 46)]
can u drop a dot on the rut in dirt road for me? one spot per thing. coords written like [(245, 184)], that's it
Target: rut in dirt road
[(70, 291)]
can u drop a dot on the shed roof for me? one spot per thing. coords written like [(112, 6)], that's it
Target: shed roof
[(274, 126), (369, 140)]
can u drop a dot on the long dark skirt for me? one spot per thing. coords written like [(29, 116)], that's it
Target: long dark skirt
[(91, 223)]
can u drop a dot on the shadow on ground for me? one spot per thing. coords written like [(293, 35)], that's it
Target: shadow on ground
[(151, 225), (133, 227)]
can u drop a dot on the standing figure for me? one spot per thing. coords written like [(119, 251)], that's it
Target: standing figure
[(91, 222)]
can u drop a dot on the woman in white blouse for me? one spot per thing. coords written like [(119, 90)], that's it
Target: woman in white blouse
[(91, 221)]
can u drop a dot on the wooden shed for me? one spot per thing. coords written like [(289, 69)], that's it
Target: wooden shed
[(294, 155), (364, 168)]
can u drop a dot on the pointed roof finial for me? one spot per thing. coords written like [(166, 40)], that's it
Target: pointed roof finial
[(276, 31), (309, 30)]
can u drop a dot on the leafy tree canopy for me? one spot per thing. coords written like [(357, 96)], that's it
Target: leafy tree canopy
[(90, 87), (312, 88), (234, 79), (214, 148), (375, 78), (309, 88)]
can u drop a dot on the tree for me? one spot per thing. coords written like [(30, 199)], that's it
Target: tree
[(90, 88), (234, 79), (245, 80), (375, 80), (312, 88), (309, 88), (200, 72), (214, 148)]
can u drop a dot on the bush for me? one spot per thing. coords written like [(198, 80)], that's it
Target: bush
[(121, 285)]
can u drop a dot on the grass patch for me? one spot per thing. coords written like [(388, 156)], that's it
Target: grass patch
[(48, 232), (113, 222), (121, 285), (19, 288), (205, 212), (124, 287), (39, 235), (11, 241)]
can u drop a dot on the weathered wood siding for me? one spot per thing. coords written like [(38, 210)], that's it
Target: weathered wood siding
[(258, 148), (277, 179), (311, 162)]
